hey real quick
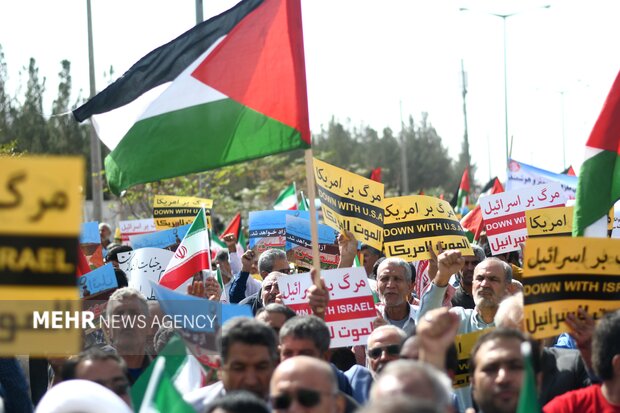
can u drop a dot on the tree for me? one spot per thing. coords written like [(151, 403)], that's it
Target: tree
[(30, 127), (6, 109)]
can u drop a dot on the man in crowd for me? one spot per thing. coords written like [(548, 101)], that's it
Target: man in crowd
[(248, 357), (270, 262), (599, 398), (275, 315), (103, 367), (463, 296), (370, 255), (305, 384), (384, 345), (414, 379), (129, 338), (222, 259), (497, 368), (309, 336)]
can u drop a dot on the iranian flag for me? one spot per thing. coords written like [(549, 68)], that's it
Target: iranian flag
[(287, 199), (231, 89), (192, 255), (598, 187), (472, 222)]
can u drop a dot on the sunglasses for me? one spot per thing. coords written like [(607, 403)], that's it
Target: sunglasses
[(305, 397), (391, 350)]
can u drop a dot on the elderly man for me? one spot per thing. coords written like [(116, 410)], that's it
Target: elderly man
[(269, 262), (492, 278), (463, 296), (248, 358), (305, 384), (127, 313), (371, 255), (105, 368), (384, 345)]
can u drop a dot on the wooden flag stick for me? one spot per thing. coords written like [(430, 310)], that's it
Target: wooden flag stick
[(314, 227)]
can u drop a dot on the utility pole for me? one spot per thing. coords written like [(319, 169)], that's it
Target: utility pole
[(465, 133), (403, 153), (95, 146)]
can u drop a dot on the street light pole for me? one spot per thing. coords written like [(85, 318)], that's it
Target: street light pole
[(504, 17)]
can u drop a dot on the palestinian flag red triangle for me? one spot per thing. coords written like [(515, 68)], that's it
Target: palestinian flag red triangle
[(229, 90)]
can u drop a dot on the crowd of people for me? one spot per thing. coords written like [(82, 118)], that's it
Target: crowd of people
[(279, 361)]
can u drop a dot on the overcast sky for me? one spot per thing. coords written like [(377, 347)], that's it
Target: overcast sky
[(367, 59)]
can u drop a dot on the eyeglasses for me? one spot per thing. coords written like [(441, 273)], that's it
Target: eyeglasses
[(305, 397), (391, 350)]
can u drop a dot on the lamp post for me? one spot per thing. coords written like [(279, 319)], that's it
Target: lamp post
[(504, 17)]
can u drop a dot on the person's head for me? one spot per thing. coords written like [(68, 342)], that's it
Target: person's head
[(466, 275), (105, 232), (104, 367), (384, 345), (411, 351), (510, 313), (112, 255), (128, 338), (304, 335), (221, 259), (305, 384), (606, 347), (497, 370), (492, 277), (248, 354), (412, 379), (155, 321), (371, 255), (238, 402), (394, 282), (270, 289), (273, 260), (400, 404), (275, 315)]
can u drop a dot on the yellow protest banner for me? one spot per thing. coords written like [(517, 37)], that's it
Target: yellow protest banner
[(171, 211), (41, 195), (351, 202), (464, 345), (40, 209), (415, 224), (549, 221), (563, 274)]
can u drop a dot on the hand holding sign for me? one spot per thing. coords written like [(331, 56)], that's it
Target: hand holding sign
[(318, 298)]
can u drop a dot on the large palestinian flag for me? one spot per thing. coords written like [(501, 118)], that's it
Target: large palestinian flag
[(231, 89), (598, 187)]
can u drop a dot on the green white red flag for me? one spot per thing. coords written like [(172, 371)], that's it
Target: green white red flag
[(472, 222), (231, 89), (598, 187), (287, 199), (192, 255)]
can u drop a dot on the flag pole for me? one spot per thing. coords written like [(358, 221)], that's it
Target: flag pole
[(314, 227)]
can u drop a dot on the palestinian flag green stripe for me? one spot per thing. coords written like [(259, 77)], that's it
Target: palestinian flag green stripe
[(178, 142)]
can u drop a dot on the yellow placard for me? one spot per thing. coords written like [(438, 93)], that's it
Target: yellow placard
[(18, 308), (351, 202), (549, 221), (41, 195), (464, 345), (171, 211), (415, 224), (563, 274)]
